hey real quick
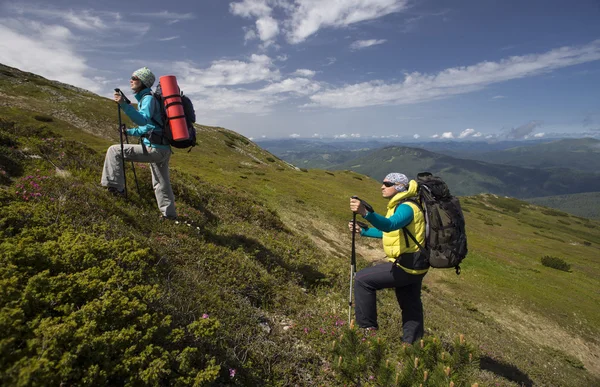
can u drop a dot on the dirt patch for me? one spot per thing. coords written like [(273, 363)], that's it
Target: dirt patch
[(550, 334)]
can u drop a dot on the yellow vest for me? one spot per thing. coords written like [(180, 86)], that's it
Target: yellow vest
[(394, 243)]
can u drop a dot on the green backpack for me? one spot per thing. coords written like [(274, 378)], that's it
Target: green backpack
[(445, 236)]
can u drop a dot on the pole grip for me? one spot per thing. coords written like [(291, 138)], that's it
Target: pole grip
[(123, 95), (367, 205)]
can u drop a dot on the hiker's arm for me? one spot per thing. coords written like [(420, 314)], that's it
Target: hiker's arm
[(402, 217), (141, 117), (371, 232)]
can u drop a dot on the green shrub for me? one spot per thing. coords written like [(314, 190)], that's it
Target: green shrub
[(508, 204), (361, 358), (43, 118), (555, 263), (270, 159), (551, 212)]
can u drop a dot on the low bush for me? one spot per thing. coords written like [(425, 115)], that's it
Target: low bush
[(555, 263), (361, 358)]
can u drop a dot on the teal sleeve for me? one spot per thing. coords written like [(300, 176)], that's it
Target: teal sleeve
[(371, 232), (141, 117), (402, 217)]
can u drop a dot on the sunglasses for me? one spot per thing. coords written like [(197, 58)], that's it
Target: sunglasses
[(388, 184), (134, 78)]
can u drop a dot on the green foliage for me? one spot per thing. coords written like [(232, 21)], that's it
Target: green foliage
[(361, 358), (507, 204), (43, 118), (230, 288), (552, 212), (580, 204), (555, 263)]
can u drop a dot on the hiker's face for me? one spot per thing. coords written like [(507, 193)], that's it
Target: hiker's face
[(388, 189), (135, 84)]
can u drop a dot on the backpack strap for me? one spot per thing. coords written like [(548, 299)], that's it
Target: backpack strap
[(408, 233)]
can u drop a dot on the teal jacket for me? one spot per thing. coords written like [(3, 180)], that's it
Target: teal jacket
[(401, 218), (147, 113)]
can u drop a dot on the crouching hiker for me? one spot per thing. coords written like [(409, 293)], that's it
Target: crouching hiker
[(406, 266), (153, 149)]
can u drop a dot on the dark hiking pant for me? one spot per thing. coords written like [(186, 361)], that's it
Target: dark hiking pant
[(408, 293)]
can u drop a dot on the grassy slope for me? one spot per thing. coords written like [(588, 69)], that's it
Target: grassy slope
[(533, 323)]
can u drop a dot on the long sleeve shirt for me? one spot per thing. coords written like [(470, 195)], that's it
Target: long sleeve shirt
[(146, 116), (401, 218)]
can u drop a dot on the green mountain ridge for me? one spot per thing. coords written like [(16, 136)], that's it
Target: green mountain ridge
[(469, 177), (584, 204), (581, 154), (251, 288)]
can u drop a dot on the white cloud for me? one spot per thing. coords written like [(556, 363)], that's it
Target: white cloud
[(53, 48), (539, 135), (418, 87), (294, 135), (101, 23), (301, 86), (469, 133), (466, 133), (357, 45), (416, 136), (85, 19), (330, 60), (498, 97), (311, 15), (267, 28), (250, 8), (229, 72), (447, 135), (303, 18), (304, 73), (172, 17), (250, 34), (169, 38), (435, 136)]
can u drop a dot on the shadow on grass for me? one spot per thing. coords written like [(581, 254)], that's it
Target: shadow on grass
[(269, 259), (507, 371)]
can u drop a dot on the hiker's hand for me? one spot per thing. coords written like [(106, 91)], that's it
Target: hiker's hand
[(118, 98), (357, 229), (357, 206), (123, 128)]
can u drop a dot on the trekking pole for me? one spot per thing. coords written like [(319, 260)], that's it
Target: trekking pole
[(352, 265), (122, 151), (127, 140), (353, 257)]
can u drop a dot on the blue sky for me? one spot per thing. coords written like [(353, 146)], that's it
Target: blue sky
[(348, 68)]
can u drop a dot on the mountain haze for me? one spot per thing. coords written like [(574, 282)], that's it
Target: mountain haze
[(581, 154), (469, 177), (251, 287)]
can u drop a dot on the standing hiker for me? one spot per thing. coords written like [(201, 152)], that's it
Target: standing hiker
[(406, 266), (153, 149)]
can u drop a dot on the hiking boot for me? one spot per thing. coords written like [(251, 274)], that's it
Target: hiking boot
[(116, 192)]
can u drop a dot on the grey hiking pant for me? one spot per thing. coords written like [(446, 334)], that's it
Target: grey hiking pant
[(112, 174), (408, 293)]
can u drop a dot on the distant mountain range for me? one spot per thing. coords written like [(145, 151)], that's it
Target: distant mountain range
[(518, 169)]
